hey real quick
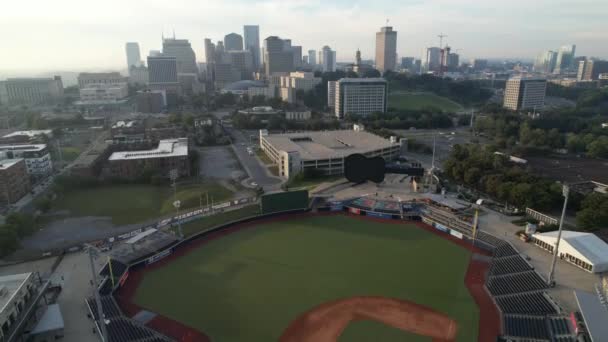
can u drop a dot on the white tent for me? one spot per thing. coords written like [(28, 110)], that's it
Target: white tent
[(582, 249)]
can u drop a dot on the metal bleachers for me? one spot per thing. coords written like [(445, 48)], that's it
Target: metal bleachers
[(515, 283), (508, 265), (526, 326), (535, 303)]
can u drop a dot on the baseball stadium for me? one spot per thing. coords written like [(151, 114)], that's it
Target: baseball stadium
[(356, 270)]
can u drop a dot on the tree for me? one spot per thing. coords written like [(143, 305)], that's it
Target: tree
[(370, 73), (9, 242), (594, 212)]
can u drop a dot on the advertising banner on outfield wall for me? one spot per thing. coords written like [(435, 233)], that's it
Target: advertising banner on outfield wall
[(124, 277), (379, 215), (441, 227), (355, 210), (456, 234)]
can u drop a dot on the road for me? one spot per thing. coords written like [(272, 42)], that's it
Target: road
[(252, 165)]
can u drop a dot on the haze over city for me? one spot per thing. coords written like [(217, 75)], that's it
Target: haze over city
[(72, 34)]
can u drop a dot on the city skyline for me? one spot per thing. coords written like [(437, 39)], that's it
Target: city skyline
[(490, 29)]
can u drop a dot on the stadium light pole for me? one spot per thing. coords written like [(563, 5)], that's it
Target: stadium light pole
[(101, 321), (550, 279)]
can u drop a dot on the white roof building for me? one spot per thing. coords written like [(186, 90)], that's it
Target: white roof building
[(31, 133), (166, 148), (584, 250)]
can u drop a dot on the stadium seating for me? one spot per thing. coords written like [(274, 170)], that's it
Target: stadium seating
[(504, 249), (108, 306), (508, 265), (559, 326), (526, 326), (118, 268), (526, 303), (489, 239), (515, 283)]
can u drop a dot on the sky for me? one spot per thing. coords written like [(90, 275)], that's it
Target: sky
[(74, 35)]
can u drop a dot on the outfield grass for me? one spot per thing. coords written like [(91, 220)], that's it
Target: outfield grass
[(127, 204), (249, 285), (418, 101)]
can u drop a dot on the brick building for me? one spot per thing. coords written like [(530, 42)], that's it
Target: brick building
[(14, 180), (168, 155)]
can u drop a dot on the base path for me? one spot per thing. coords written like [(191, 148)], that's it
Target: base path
[(326, 322)]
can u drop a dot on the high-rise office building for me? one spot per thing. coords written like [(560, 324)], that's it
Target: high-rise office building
[(33, 91), (545, 62), (312, 57), (565, 59), (297, 56), (479, 64), (183, 53), (209, 51), (590, 69), (163, 75), (233, 42), (252, 43), (359, 96), (386, 49), (431, 60), (133, 55), (328, 60), (525, 93), (278, 55), (407, 63)]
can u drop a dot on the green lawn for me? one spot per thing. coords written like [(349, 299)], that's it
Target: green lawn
[(249, 285), (128, 204), (70, 153), (417, 101)]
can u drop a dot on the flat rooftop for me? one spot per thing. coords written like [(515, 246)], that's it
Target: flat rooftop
[(363, 80), (166, 148), (7, 163), (30, 147), (11, 284), (31, 133), (327, 144)]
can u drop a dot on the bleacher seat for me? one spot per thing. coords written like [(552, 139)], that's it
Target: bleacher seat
[(510, 264), (535, 303), (526, 327), (560, 326), (515, 283), (504, 249), (108, 306)]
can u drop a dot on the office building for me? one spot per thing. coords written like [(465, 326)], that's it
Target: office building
[(304, 115), (479, 64), (449, 60), (300, 80), (133, 55), (525, 93), (170, 154), (386, 49), (312, 57), (162, 74), (233, 42), (545, 62), (209, 52), (101, 88), (360, 96), (14, 180), (297, 56), (322, 151), (407, 63), (327, 59), (242, 62), (138, 75), (278, 55), (331, 94), (37, 158), (31, 91), (183, 53), (151, 101), (305, 60), (590, 69), (431, 60), (18, 294), (154, 53), (565, 59), (252, 43)]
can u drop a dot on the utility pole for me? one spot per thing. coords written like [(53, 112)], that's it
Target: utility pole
[(565, 192), (101, 320)]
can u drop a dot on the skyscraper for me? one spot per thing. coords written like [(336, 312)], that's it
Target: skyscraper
[(431, 60), (328, 62), (278, 55), (545, 62), (525, 93), (360, 96), (386, 49), (297, 56), (162, 70), (233, 42), (183, 53), (312, 57), (252, 43), (133, 56), (565, 59), (589, 69)]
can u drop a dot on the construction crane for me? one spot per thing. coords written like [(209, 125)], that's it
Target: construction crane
[(441, 36)]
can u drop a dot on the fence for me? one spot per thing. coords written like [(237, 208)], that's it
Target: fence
[(541, 217)]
